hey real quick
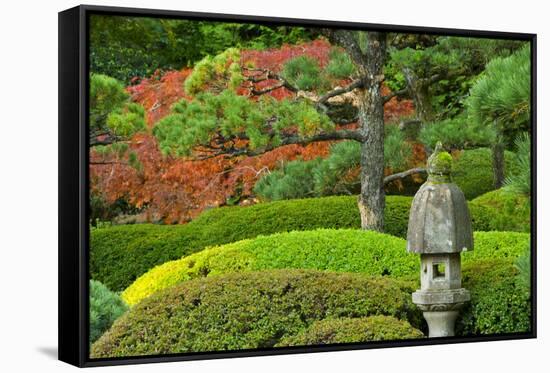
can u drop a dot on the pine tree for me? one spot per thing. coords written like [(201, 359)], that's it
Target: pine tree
[(437, 72), (221, 122), (113, 118), (502, 98), (520, 181)]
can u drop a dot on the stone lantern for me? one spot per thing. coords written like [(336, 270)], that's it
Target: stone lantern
[(440, 228)]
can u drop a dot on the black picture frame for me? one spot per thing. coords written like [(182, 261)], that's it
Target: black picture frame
[(73, 75)]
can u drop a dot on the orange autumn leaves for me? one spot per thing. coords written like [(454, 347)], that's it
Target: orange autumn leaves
[(175, 190)]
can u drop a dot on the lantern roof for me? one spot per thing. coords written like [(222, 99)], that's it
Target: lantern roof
[(439, 220)]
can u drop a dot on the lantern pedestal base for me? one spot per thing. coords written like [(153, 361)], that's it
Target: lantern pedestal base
[(440, 309), (441, 323)]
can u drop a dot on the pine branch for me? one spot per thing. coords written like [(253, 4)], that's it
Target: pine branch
[(231, 152), (267, 90), (359, 83), (399, 93), (108, 163), (270, 75), (345, 121), (404, 174), (108, 140)]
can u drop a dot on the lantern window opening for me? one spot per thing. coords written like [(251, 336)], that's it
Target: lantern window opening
[(439, 271)]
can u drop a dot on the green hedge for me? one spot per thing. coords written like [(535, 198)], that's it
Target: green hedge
[(499, 303), (249, 310), (346, 330), (261, 309), (505, 210), (473, 171), (342, 250), (120, 254), (105, 308)]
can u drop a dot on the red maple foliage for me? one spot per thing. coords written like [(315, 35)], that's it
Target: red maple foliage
[(157, 93), (175, 190)]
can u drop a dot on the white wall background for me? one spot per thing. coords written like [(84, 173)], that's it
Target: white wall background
[(28, 185)]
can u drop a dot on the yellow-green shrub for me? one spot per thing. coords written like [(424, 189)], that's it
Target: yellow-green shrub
[(342, 250), (505, 210)]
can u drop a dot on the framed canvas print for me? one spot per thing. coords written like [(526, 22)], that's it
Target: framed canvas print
[(236, 186)]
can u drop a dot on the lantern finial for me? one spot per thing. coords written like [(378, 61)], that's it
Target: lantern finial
[(439, 165)]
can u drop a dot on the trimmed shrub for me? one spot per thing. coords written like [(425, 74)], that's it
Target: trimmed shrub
[(473, 171), (120, 254), (505, 210), (261, 309), (523, 265), (499, 303), (341, 250), (249, 310), (374, 328), (105, 308), (497, 245)]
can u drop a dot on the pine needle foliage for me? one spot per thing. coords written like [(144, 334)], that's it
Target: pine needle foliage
[(303, 72), (306, 74), (111, 111), (105, 307), (293, 180), (456, 61), (127, 120), (519, 182), (340, 65), (263, 123), (106, 95), (334, 175), (223, 69), (397, 151), (112, 114), (502, 95), (457, 133)]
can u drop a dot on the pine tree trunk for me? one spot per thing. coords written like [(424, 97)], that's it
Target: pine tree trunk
[(498, 164), (420, 92), (371, 117)]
